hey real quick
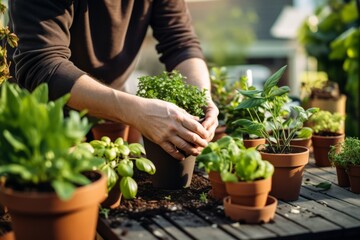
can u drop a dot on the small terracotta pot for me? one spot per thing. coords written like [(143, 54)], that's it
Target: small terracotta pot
[(249, 143), (113, 198), (252, 215), (289, 171), (354, 177), (111, 129), (304, 142), (321, 148), (219, 133), (252, 194), (342, 176), (43, 216), (170, 173), (218, 191)]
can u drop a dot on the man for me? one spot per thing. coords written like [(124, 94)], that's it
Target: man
[(89, 48)]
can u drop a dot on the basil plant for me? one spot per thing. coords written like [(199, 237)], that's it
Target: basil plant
[(39, 146), (280, 124), (119, 157)]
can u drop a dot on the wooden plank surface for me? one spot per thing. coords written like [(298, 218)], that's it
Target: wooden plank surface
[(317, 214)]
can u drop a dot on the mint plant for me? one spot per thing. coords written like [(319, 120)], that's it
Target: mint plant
[(37, 142), (280, 124), (171, 87), (345, 153), (119, 157)]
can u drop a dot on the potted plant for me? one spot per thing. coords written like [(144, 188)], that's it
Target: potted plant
[(345, 156), (216, 158), (50, 188), (233, 127), (119, 159), (288, 160), (171, 87), (248, 185), (327, 132), (223, 91)]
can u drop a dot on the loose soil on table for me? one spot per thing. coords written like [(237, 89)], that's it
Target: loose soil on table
[(151, 201)]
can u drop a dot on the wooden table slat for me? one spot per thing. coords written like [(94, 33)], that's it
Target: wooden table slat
[(169, 227)]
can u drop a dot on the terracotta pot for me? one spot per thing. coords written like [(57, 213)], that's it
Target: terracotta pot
[(301, 142), (248, 214), (111, 129), (113, 198), (249, 143), (321, 148), (219, 133), (354, 177), (43, 216), (252, 194), (342, 176), (170, 172), (289, 171), (218, 190), (8, 236)]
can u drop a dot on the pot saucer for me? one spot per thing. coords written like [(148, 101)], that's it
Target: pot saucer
[(250, 214)]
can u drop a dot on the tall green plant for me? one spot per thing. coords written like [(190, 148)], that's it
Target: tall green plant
[(276, 129), (37, 142)]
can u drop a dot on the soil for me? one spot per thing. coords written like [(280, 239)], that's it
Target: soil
[(151, 201), (5, 224)]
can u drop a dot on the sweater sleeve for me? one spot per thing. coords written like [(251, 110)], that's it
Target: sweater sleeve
[(43, 52), (171, 25)]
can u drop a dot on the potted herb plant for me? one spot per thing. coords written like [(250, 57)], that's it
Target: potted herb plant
[(216, 158), (171, 87), (327, 132), (341, 155), (354, 167), (288, 160), (248, 185), (50, 188), (118, 167)]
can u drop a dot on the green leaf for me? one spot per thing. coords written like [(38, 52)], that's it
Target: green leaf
[(250, 103), (249, 93), (128, 187), (15, 169), (17, 144), (111, 175), (63, 189), (228, 177), (125, 170), (145, 165), (273, 80), (280, 91), (136, 149), (323, 185), (40, 93)]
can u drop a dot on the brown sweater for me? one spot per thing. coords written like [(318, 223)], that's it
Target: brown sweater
[(60, 40)]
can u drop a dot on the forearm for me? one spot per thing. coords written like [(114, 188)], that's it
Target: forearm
[(102, 101)]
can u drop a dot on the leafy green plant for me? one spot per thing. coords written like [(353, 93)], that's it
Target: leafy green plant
[(304, 133), (233, 127), (280, 124), (222, 91), (248, 166), (119, 157), (7, 38), (171, 87), (325, 123), (37, 142), (219, 156), (345, 153)]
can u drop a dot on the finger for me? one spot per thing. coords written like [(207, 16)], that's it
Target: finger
[(198, 130), (186, 147), (173, 151)]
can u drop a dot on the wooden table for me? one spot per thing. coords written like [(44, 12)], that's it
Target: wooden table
[(330, 214)]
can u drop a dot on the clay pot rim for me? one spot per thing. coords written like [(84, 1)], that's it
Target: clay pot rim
[(305, 149), (340, 135)]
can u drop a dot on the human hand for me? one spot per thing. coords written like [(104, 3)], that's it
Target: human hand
[(172, 128), (211, 120)]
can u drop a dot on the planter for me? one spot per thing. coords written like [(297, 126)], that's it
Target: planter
[(354, 177), (113, 198), (43, 216), (111, 129), (252, 194), (342, 176), (170, 172), (289, 171), (219, 133), (248, 214), (249, 143), (321, 148), (218, 190)]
